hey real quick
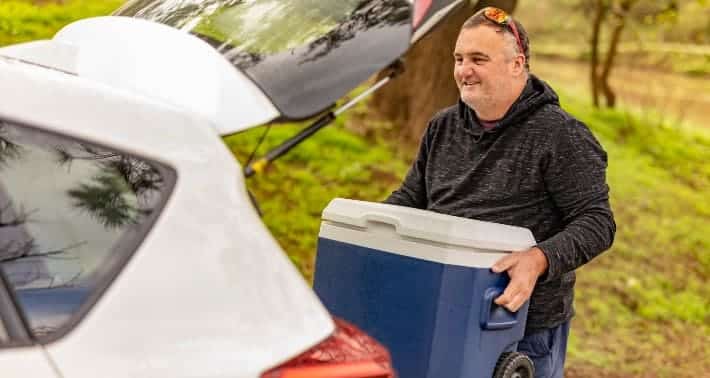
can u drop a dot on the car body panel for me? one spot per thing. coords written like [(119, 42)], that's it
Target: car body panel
[(27, 362), (47, 53), (168, 65), (212, 293), (156, 61)]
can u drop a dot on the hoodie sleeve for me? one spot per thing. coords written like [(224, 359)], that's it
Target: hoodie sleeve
[(412, 192), (575, 176)]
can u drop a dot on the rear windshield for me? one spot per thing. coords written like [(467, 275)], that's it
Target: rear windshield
[(304, 54), (71, 214)]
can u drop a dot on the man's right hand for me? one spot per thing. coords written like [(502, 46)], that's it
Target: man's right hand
[(523, 268)]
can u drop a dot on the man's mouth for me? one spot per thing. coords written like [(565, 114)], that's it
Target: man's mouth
[(469, 83)]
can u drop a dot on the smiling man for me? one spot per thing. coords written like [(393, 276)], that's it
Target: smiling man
[(508, 153)]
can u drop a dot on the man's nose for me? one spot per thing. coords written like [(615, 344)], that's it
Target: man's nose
[(466, 70)]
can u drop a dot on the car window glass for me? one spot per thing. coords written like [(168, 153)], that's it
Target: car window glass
[(70, 213)]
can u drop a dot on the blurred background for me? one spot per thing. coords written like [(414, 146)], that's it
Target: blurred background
[(637, 72)]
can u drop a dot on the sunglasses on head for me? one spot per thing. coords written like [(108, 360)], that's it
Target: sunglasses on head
[(500, 17)]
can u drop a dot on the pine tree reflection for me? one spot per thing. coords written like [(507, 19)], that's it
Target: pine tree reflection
[(9, 151), (105, 199), (367, 15), (120, 194)]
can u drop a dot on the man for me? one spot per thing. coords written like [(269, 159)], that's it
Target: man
[(508, 153)]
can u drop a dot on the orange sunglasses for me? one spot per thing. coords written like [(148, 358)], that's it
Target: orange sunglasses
[(502, 18)]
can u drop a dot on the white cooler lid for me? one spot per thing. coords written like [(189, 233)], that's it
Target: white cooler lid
[(429, 226)]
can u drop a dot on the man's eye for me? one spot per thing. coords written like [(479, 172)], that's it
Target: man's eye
[(478, 61)]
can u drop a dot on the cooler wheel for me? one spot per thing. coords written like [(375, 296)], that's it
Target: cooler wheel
[(514, 365)]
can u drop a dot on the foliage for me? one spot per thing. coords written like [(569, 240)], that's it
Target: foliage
[(675, 39), (293, 191), (25, 20), (615, 15), (648, 292), (567, 21)]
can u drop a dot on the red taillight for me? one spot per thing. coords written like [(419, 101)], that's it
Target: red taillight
[(420, 9), (348, 353)]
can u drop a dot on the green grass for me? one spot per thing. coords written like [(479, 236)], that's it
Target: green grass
[(23, 20), (645, 305), (293, 191)]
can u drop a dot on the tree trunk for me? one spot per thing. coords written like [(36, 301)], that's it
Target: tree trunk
[(427, 85), (621, 15), (599, 16)]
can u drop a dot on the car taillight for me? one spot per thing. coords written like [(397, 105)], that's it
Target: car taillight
[(420, 9), (348, 353)]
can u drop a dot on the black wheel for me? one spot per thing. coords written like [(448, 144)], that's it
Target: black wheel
[(514, 365)]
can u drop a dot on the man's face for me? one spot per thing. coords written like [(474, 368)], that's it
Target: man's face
[(483, 70)]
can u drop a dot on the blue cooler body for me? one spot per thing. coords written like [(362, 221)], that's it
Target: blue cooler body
[(420, 283)]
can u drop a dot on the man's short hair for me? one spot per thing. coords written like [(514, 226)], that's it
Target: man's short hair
[(479, 19)]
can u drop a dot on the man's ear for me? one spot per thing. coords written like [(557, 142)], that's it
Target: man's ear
[(519, 65)]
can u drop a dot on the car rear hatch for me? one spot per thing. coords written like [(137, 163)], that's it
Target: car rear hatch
[(239, 63), (303, 54)]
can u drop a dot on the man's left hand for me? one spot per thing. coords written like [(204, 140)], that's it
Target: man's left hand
[(523, 269)]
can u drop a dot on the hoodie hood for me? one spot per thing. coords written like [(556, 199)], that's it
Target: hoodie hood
[(534, 96)]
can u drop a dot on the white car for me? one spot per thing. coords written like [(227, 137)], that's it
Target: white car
[(129, 246)]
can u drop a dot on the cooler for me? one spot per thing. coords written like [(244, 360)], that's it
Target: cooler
[(420, 282)]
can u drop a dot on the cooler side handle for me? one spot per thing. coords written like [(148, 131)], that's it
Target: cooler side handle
[(494, 317)]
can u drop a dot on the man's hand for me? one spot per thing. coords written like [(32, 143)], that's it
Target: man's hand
[(523, 268)]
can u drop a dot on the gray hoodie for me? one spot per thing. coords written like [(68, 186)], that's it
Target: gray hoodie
[(539, 168)]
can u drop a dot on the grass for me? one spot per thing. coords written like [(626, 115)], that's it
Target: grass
[(25, 20), (644, 307), (293, 191)]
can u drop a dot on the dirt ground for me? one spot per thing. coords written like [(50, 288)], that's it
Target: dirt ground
[(590, 372), (676, 97)]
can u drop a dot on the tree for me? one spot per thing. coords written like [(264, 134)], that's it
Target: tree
[(622, 13), (427, 85)]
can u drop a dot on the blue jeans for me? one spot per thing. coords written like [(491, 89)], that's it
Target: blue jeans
[(547, 350)]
